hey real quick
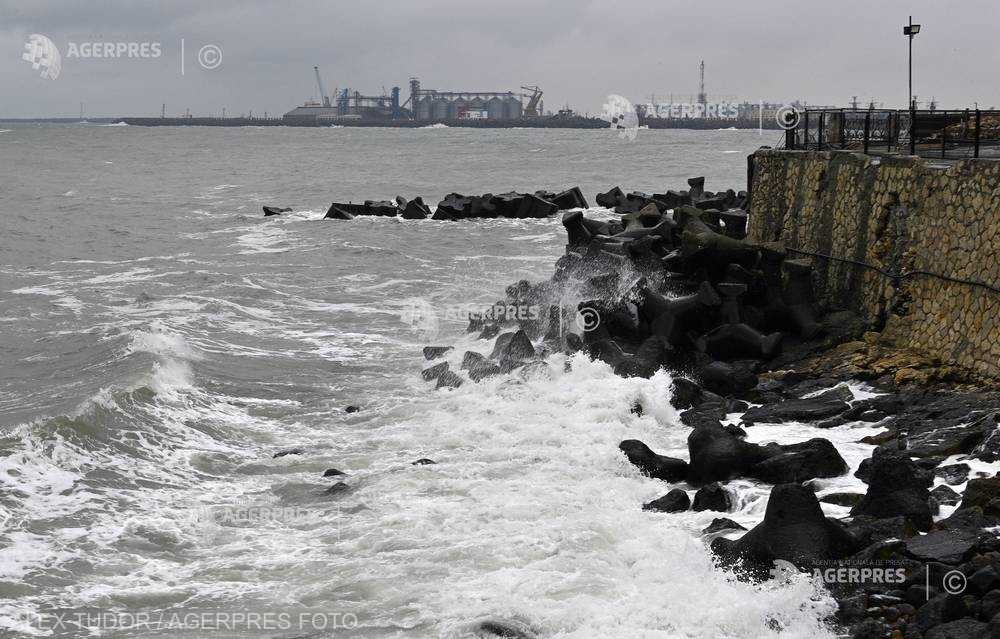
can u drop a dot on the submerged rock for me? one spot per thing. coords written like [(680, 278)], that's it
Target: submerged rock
[(797, 463), (651, 464), (434, 372), (433, 352), (712, 497), (675, 501), (337, 488), (448, 379), (721, 523), (289, 451), (505, 628), (274, 210)]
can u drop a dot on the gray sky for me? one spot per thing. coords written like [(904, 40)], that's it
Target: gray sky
[(577, 51)]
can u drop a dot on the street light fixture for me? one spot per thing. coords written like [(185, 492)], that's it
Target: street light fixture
[(910, 30)]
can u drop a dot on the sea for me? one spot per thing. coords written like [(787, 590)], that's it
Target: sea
[(177, 370)]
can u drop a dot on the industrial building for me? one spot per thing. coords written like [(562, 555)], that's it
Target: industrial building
[(430, 105), (423, 105)]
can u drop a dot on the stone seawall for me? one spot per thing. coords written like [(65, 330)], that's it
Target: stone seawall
[(903, 216)]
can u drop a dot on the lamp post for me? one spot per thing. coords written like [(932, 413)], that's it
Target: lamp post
[(911, 30)]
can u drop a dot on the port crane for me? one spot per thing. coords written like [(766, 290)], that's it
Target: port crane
[(534, 99), (322, 93)]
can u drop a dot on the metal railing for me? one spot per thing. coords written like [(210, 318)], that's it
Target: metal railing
[(970, 133)]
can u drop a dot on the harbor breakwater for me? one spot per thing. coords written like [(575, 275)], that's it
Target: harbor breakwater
[(909, 245)]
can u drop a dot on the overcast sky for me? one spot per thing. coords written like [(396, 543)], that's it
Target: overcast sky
[(578, 51)]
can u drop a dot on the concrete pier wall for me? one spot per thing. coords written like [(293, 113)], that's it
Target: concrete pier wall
[(903, 216)]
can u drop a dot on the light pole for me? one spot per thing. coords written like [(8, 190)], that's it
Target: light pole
[(911, 30)]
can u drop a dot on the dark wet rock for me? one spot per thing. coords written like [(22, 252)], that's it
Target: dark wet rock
[(726, 378), (868, 629), (433, 352), (675, 501), (448, 379), (339, 487), (944, 495), (483, 370), (959, 629), (875, 440), (984, 580), (333, 472), (517, 348), (982, 492), (991, 605), (434, 372), (716, 454), (685, 393), (352, 409), (948, 425), (796, 410), (380, 208), (943, 546), (894, 489), (501, 343), (963, 519), (953, 474), (794, 529), (454, 206), (919, 594), (472, 359), (989, 449), (274, 210), (649, 358), (696, 188), (580, 230), (289, 451), (610, 199), (800, 462), (335, 212), (533, 206), (870, 530), (652, 464), (842, 499), (415, 209), (942, 609), (570, 199), (712, 497), (721, 523), (739, 341), (423, 461), (505, 628)]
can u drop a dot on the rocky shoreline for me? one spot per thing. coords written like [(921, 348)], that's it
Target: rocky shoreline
[(670, 282)]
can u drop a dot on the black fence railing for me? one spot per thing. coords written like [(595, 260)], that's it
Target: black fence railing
[(971, 133)]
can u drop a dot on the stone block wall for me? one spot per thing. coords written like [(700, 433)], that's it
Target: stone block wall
[(902, 215)]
